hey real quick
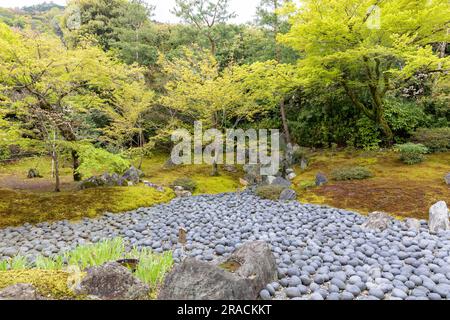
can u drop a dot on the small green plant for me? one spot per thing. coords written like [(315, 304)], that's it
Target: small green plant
[(47, 263), (351, 173), (96, 254), (271, 192), (411, 153), (436, 140), (186, 183), (18, 263), (153, 267), (4, 265)]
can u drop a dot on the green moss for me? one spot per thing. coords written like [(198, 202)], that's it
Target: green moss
[(18, 207), (351, 173), (50, 284)]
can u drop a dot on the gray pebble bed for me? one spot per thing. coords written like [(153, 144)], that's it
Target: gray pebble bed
[(322, 253)]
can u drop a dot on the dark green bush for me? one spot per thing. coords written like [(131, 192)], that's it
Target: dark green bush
[(411, 153), (271, 192), (351, 173), (186, 183), (436, 140)]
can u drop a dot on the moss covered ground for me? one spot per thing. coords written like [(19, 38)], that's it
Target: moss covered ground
[(49, 284), (399, 189)]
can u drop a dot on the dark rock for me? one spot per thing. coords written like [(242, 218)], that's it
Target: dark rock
[(447, 179), (278, 181), (92, 182), (378, 221), (33, 173), (20, 291), (241, 277), (288, 194), (133, 175), (321, 179), (112, 281)]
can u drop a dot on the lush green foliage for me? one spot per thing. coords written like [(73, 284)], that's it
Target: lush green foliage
[(351, 173), (436, 140), (411, 153)]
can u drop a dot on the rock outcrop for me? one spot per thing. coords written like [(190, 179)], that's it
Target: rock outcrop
[(112, 281), (240, 277)]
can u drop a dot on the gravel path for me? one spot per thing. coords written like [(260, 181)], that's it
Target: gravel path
[(322, 253)]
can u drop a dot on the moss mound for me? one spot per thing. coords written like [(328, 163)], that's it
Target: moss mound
[(18, 207)]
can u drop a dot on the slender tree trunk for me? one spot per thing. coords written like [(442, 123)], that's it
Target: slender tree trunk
[(55, 161), (285, 122), (76, 164), (141, 145)]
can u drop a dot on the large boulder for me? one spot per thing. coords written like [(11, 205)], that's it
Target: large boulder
[(447, 179), (378, 221), (20, 291), (112, 281), (439, 218), (240, 277), (133, 175)]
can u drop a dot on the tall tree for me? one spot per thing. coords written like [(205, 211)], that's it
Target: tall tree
[(56, 86), (205, 15), (368, 47), (269, 17)]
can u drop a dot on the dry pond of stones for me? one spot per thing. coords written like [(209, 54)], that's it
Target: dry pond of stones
[(321, 253)]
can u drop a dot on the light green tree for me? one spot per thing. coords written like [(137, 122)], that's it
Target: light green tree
[(368, 47)]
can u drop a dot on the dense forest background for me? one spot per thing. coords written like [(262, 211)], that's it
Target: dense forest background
[(99, 80)]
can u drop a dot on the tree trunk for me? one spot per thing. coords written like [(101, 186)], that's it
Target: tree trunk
[(285, 122), (76, 164), (55, 161)]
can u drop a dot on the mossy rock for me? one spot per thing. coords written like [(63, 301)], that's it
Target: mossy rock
[(270, 192), (49, 284), (187, 184)]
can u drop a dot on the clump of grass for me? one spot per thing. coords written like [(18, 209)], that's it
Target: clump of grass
[(16, 263), (96, 254), (351, 173), (271, 192), (151, 268), (411, 153), (47, 263)]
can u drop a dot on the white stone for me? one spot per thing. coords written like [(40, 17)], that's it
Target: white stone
[(439, 217)]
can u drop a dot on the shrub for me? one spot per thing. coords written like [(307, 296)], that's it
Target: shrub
[(351, 173), (299, 154), (186, 183), (271, 192), (411, 153), (436, 140)]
